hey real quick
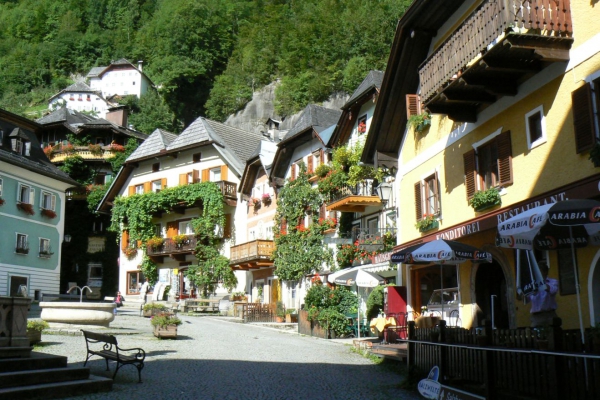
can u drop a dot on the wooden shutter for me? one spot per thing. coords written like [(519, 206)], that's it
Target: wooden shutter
[(131, 190), (195, 176), (147, 187), (413, 105), (418, 201), (283, 229), (172, 228), (505, 175), (183, 179), (293, 172), (583, 118), (311, 159), (124, 239), (322, 211), (224, 170), (321, 156), (163, 183), (205, 175), (469, 159), (227, 230)]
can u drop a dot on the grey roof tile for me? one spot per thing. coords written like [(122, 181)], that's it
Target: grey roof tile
[(95, 71), (317, 117), (157, 141), (374, 79)]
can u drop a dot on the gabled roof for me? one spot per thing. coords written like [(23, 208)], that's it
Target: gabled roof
[(67, 117), (372, 81), (77, 87), (315, 119), (262, 158), (97, 72), (37, 161), (154, 144), (235, 145), (409, 49), (100, 123)]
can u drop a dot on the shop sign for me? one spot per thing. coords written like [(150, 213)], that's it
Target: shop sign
[(96, 244), (449, 393)]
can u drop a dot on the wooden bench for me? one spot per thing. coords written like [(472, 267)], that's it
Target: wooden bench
[(105, 346), (201, 305)]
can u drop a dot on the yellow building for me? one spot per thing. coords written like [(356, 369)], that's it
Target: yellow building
[(513, 89)]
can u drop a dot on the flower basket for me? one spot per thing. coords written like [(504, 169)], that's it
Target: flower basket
[(130, 252), (266, 198), (26, 208), (95, 149), (362, 127), (49, 152), (155, 242), (180, 240), (117, 148), (48, 213), (427, 223)]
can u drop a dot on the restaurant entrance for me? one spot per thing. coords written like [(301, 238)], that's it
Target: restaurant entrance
[(490, 281)]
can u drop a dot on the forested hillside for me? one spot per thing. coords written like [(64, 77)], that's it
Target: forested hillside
[(205, 56)]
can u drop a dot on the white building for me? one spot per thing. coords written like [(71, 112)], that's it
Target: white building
[(120, 78), (80, 97)]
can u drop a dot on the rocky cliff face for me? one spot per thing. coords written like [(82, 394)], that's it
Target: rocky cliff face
[(254, 116)]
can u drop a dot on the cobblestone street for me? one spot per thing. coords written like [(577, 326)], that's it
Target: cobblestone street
[(215, 358)]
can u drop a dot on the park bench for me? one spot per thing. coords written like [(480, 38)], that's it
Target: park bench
[(105, 346), (202, 305)]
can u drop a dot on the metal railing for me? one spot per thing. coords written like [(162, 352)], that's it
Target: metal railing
[(483, 28)]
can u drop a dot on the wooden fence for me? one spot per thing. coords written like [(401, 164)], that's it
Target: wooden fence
[(310, 328), (508, 363), (258, 312)]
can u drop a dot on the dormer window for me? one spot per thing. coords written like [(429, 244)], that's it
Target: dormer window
[(21, 146)]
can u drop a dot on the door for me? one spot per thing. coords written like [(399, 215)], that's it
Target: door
[(490, 281)]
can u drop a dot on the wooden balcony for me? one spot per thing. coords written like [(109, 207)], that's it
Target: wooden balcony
[(252, 255), (229, 190), (499, 46), (169, 248), (354, 198), (84, 152)]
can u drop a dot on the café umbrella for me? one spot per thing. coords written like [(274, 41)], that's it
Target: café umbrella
[(441, 252), (360, 278), (565, 224)]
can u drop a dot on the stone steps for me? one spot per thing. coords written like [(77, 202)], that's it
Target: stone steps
[(46, 376)]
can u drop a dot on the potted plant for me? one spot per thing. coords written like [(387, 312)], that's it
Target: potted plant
[(328, 224), (266, 198), (427, 223), (48, 213), (595, 155), (420, 121), (155, 242), (152, 309), (291, 316), (49, 152), (180, 240), (239, 296), (26, 208), (116, 148), (165, 325), (35, 329), (68, 149), (362, 127), (483, 199), (279, 312), (95, 149), (130, 252)]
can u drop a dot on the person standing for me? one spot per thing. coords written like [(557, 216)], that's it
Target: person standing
[(143, 292), (543, 302)]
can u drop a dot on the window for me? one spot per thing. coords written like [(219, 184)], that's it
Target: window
[(586, 122), (139, 189), (196, 157), (45, 250), (97, 226), (22, 245), (427, 197), (185, 228), (25, 194), (489, 164), (156, 186), (361, 127), (21, 146), (535, 125), (158, 230), (80, 97), (0, 186), (48, 201), (135, 279), (155, 167), (95, 271), (18, 284), (269, 232), (215, 174), (88, 97)]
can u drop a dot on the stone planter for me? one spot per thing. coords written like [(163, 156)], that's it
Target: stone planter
[(166, 332), (74, 313), (34, 336), (13, 325)]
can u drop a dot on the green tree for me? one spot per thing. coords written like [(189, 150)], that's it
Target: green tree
[(153, 114)]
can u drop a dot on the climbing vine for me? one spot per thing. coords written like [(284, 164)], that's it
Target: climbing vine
[(134, 214), (299, 249)]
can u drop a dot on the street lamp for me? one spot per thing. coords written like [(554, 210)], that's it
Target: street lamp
[(67, 239), (384, 191)]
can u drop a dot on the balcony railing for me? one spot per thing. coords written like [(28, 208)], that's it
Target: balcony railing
[(484, 27), (354, 198), (172, 248), (251, 251), (60, 155), (229, 189)]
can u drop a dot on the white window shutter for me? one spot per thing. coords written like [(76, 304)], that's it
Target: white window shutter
[(53, 203), (19, 188), (31, 196), (27, 148)]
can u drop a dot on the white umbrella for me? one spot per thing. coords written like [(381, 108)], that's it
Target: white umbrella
[(360, 278), (564, 224)]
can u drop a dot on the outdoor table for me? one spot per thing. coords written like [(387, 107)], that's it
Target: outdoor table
[(379, 324), (425, 321)]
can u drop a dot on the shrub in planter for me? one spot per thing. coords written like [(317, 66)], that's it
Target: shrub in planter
[(485, 198), (48, 213), (322, 170), (419, 121), (26, 208), (151, 309), (334, 321), (35, 329), (95, 149), (155, 242), (164, 319)]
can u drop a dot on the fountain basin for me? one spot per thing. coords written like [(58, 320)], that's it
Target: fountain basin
[(63, 312)]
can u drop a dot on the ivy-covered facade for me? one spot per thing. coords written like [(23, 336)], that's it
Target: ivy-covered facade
[(173, 207)]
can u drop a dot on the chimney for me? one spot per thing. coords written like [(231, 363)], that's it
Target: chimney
[(118, 116), (140, 63)]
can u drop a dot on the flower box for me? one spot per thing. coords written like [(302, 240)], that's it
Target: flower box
[(48, 213), (432, 225), (166, 332), (22, 250), (26, 208), (486, 206)]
